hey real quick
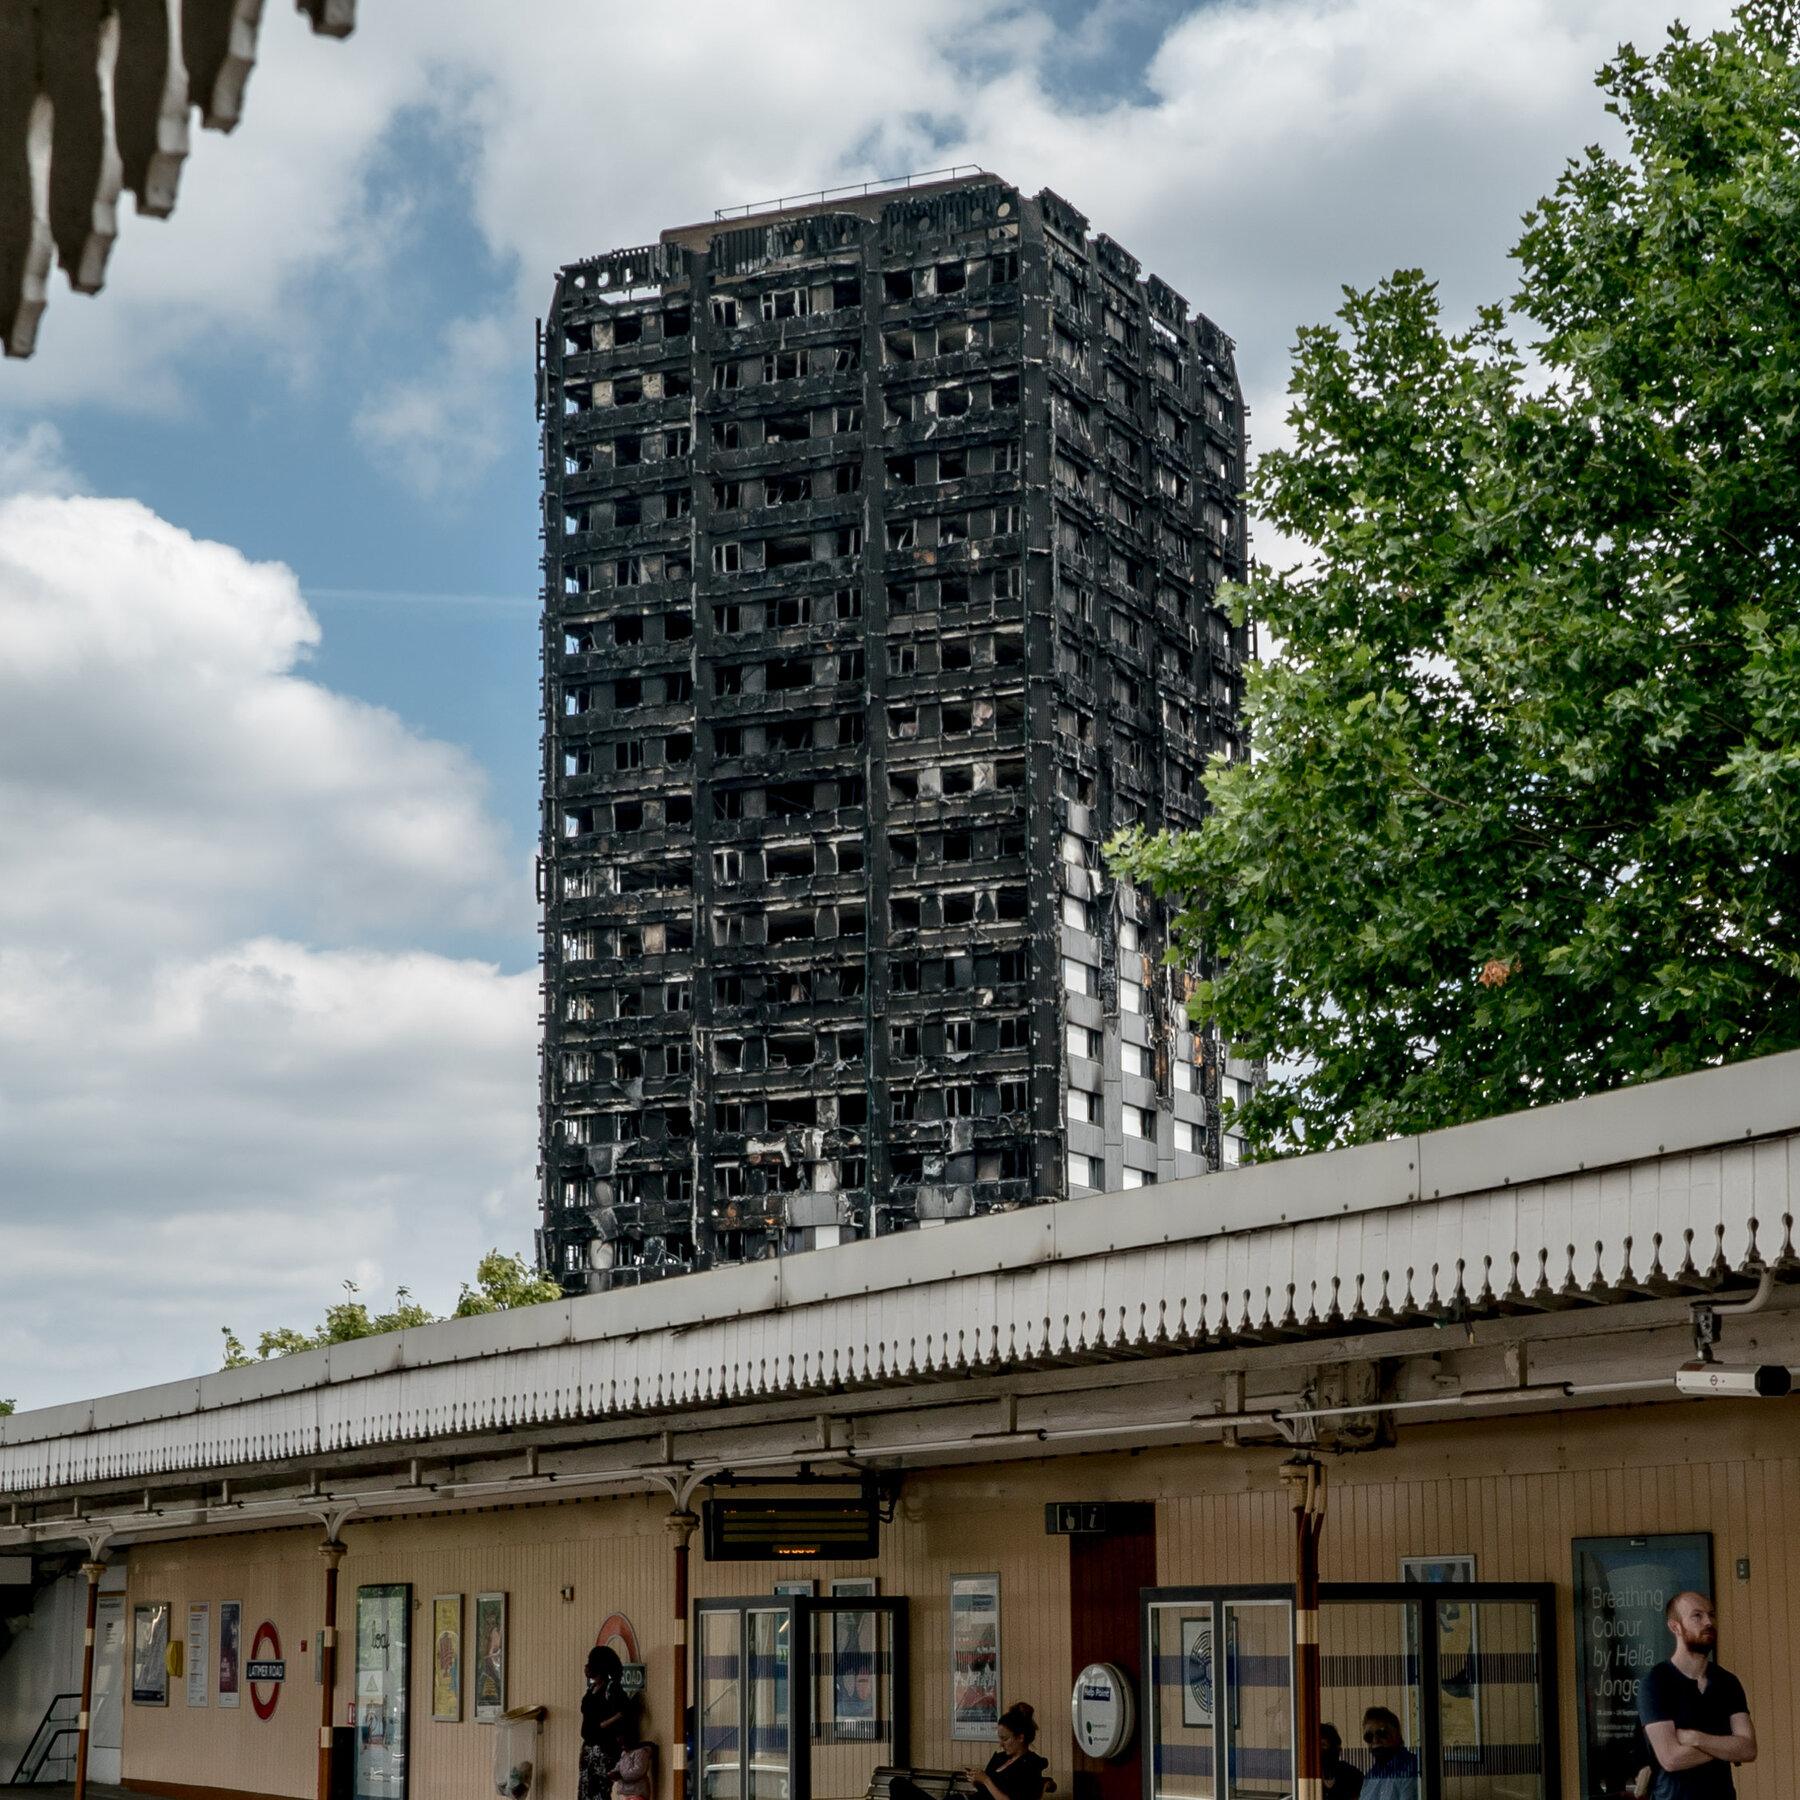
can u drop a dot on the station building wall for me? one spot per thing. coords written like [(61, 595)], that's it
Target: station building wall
[(1512, 1492)]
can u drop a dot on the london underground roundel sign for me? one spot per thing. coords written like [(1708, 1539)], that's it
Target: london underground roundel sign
[(265, 1670)]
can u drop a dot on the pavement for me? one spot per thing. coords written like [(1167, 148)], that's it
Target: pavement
[(64, 1790)]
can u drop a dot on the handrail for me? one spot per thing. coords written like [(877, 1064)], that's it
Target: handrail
[(21, 1777), (893, 184)]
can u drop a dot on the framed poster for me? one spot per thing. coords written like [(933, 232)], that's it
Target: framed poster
[(383, 1671), (974, 1656), (199, 1651), (855, 1587), (490, 1657), (150, 1654), (805, 1589), (231, 1649), (446, 1658), (1197, 1672), (854, 1672), (1456, 1624), (1622, 1585)]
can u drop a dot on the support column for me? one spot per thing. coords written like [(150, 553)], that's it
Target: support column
[(1305, 1480), (333, 1553), (680, 1526), (83, 1728)]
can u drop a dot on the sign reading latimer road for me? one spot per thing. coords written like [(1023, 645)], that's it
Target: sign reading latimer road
[(266, 1669)]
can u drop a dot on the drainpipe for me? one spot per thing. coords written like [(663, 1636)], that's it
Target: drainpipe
[(1305, 1479), (333, 1553), (680, 1526), (93, 1571)]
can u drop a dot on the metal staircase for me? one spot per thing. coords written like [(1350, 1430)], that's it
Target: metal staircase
[(53, 1743)]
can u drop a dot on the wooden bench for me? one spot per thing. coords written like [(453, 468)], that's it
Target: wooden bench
[(938, 1784)]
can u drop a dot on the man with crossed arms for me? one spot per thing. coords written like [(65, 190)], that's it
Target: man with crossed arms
[(1693, 1712)]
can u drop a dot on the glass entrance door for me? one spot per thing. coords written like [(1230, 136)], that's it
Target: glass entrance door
[(1430, 1692), (857, 1678), (798, 1699), (1258, 1713)]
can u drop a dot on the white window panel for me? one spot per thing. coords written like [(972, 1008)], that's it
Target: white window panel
[(1080, 977), (1128, 935), (1074, 912), (1134, 1059), (1081, 1170), (1231, 1150), (1140, 1122), (1084, 1108), (1074, 851), (1187, 1136), (1082, 1042), (1139, 1178), (1131, 996)]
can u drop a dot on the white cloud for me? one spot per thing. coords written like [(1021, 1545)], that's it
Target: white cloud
[(33, 461), (222, 1086), (167, 777), (441, 431), (1287, 146)]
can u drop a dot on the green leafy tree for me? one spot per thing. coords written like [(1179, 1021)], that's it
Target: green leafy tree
[(501, 1282), (1524, 821)]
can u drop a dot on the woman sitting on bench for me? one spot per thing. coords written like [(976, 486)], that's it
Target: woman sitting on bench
[(1015, 1771)]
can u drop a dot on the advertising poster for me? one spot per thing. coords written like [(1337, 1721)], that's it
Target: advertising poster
[(199, 1652), (383, 1646), (1459, 1656), (446, 1658), (1622, 1586), (853, 1668), (974, 1656), (231, 1649), (490, 1657), (150, 1654)]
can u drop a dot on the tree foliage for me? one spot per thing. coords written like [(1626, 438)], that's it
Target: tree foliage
[(1524, 820), (501, 1283)]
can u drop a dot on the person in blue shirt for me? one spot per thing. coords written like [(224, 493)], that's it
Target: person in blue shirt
[(1695, 1714), (1393, 1769)]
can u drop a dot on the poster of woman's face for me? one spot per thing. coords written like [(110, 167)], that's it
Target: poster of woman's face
[(490, 1657)]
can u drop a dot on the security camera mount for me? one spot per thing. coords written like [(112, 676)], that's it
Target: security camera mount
[(1708, 1312)]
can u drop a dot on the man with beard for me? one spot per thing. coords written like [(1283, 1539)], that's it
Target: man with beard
[(1694, 1713)]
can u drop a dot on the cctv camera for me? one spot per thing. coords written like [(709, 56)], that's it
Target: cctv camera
[(1768, 1380)]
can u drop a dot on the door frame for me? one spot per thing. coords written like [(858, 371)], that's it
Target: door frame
[(1539, 1594), (801, 1612)]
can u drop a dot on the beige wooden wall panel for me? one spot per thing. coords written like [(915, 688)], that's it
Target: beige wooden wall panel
[(1516, 1500), (615, 1554), (1513, 1493), (962, 1523), (279, 1577)]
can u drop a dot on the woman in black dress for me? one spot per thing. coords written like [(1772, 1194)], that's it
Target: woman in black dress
[(608, 1723), (1014, 1771)]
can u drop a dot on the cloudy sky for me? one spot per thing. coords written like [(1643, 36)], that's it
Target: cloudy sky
[(268, 551)]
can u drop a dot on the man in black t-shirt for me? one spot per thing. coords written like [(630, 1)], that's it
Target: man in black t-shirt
[(1694, 1713)]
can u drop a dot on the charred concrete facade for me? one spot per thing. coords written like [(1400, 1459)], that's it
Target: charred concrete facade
[(883, 542)]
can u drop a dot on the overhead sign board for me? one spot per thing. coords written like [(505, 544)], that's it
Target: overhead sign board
[(762, 1530)]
